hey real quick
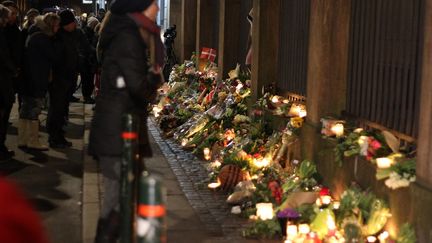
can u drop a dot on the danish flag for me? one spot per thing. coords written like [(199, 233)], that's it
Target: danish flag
[(208, 53)]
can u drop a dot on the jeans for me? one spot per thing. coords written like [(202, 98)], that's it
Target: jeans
[(31, 107)]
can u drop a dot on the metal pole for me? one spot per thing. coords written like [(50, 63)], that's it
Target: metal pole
[(151, 225), (128, 179)]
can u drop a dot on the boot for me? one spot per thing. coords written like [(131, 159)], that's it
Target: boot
[(108, 229), (23, 135), (33, 134)]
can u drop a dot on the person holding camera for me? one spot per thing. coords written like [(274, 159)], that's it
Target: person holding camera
[(128, 85)]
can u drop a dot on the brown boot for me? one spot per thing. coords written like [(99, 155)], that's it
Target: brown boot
[(33, 136)]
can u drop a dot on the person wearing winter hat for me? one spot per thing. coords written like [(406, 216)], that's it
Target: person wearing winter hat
[(128, 85), (39, 60), (88, 69), (65, 73)]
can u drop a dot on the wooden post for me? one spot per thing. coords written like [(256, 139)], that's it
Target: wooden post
[(207, 24), (265, 43), (422, 189), (424, 154), (328, 58), (175, 18), (188, 28)]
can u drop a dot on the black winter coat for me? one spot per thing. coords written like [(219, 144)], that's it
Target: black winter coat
[(67, 49), (125, 87), (39, 60), (7, 71)]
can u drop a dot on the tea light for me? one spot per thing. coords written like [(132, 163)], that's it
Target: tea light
[(384, 162), (371, 238), (275, 99), (291, 231), (338, 129), (184, 142), (383, 237), (264, 211), (285, 101), (326, 200), (304, 229), (336, 205), (207, 155), (214, 185)]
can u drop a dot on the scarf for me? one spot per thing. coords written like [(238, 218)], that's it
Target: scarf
[(156, 47)]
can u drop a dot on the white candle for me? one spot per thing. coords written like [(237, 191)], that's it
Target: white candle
[(336, 205), (264, 211), (383, 237), (291, 231), (338, 129), (326, 200), (384, 162), (207, 155), (214, 185), (304, 229), (371, 238)]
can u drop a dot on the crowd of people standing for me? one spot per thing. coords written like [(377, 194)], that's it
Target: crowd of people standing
[(41, 61)]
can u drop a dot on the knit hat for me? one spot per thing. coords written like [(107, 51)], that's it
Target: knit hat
[(129, 6), (32, 12), (66, 17), (92, 22)]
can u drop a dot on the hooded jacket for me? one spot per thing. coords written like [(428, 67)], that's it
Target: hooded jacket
[(39, 59), (125, 87)]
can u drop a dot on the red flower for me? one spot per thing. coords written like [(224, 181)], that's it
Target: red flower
[(324, 191)]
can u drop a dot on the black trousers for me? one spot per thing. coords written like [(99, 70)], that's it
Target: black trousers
[(58, 108), (4, 123), (87, 81)]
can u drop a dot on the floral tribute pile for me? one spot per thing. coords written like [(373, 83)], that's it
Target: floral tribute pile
[(260, 169), (382, 148)]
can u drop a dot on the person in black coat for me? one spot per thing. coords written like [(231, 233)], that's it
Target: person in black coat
[(15, 42), (39, 59), (65, 74), (128, 84), (7, 71), (88, 69)]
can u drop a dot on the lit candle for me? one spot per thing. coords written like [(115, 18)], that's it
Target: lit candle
[(184, 142), (264, 211), (214, 185), (207, 155), (336, 205), (326, 200), (384, 162), (291, 231), (371, 239), (302, 113), (338, 129), (285, 101), (383, 237), (304, 229), (275, 99)]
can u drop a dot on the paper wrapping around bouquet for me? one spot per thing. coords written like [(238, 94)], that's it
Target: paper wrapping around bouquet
[(230, 175)]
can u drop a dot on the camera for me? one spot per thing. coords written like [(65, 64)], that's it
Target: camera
[(171, 33)]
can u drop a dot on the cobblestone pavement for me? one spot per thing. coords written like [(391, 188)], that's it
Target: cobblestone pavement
[(211, 207)]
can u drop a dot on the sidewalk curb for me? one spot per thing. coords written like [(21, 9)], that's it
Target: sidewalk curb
[(91, 200)]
